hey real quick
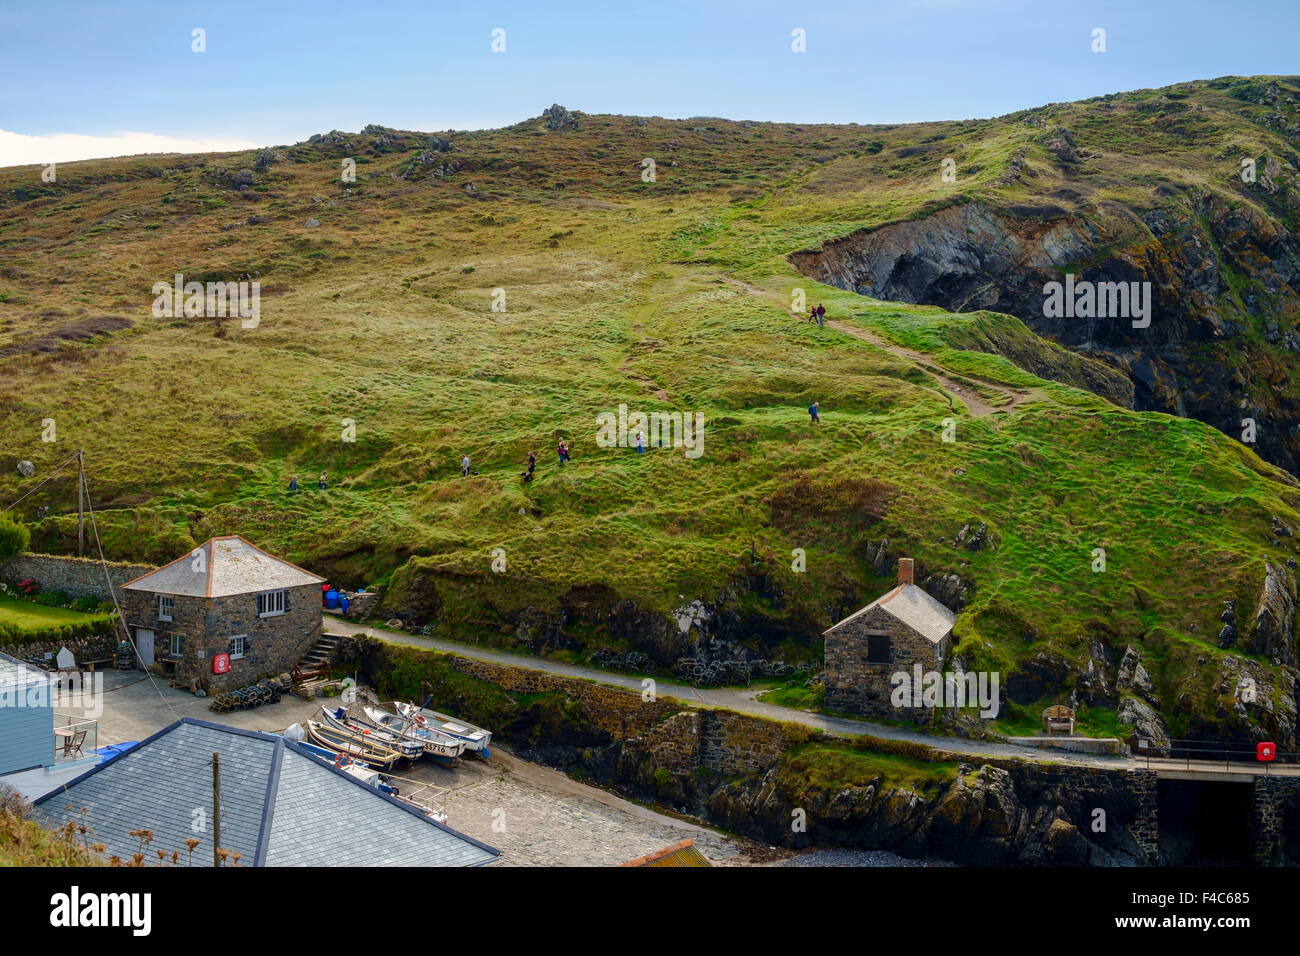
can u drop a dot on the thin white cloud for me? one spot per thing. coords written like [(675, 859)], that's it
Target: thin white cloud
[(17, 149)]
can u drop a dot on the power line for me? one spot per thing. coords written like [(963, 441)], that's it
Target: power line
[(43, 481), (112, 593)]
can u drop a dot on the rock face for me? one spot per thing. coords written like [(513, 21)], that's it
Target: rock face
[(1146, 723), (1272, 631), (990, 815), (1193, 360)]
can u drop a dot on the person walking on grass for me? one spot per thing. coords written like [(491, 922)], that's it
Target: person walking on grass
[(532, 464), (812, 314), (293, 484), (464, 466), (814, 412), (563, 449), (640, 443), (323, 482), (821, 315)]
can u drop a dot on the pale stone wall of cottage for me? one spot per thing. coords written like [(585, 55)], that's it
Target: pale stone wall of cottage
[(274, 644), (854, 686)]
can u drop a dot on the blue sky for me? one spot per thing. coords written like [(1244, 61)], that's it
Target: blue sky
[(275, 71)]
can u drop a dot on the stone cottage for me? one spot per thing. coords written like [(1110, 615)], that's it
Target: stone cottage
[(224, 615), (900, 629)]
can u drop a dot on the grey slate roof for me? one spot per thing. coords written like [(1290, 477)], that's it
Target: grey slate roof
[(280, 805), (230, 565), (16, 673), (914, 607)]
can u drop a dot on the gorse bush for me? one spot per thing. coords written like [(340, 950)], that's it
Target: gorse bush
[(14, 537)]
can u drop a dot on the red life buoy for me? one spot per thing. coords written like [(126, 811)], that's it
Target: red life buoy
[(340, 760)]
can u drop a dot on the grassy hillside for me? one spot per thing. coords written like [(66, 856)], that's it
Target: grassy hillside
[(661, 295)]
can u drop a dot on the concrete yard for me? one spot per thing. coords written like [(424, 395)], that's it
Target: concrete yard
[(534, 815)]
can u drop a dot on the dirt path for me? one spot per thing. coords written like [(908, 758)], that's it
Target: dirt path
[(948, 387)]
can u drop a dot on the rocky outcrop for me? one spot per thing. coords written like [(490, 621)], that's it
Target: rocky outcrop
[(1272, 630), (1146, 723), (1193, 359), (990, 815)]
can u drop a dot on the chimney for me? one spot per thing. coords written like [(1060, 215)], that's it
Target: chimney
[(905, 571)]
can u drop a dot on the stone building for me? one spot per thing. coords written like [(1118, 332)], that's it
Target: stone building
[(900, 629), (224, 615)]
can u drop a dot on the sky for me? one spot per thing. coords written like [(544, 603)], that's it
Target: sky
[(88, 78)]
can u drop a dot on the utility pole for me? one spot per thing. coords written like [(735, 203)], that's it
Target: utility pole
[(216, 808), (81, 505)]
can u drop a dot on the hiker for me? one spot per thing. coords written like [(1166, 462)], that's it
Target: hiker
[(812, 314), (640, 443), (564, 451), (532, 464), (464, 467), (821, 315), (323, 482), (293, 484), (814, 412)]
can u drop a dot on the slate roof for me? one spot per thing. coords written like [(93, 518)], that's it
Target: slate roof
[(281, 806), (231, 565), (914, 607), (16, 673)]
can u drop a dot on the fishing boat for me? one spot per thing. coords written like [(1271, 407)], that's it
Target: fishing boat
[(476, 738), (339, 719), (437, 745), (350, 743), (371, 778)]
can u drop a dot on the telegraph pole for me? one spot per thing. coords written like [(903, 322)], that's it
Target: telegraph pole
[(216, 808), (81, 505)]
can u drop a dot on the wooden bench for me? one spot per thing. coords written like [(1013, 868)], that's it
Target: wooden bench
[(1059, 717)]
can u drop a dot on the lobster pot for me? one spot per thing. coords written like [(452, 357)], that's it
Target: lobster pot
[(124, 657)]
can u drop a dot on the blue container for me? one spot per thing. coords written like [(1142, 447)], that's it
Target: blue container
[(331, 599), (343, 603)]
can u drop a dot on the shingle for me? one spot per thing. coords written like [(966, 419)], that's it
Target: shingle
[(229, 565)]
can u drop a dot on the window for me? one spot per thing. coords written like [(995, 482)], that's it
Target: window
[(270, 602), (164, 607), (878, 649), (177, 645), (237, 647)]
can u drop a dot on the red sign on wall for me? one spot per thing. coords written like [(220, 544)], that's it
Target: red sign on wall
[(1265, 751), (220, 663)]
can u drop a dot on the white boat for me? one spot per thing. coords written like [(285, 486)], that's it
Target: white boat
[(476, 738), (438, 745), (338, 720)]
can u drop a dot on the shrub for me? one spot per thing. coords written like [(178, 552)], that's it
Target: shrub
[(87, 605), (54, 598), (14, 536), (29, 586)]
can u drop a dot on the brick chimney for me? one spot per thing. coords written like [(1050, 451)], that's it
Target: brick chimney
[(905, 571)]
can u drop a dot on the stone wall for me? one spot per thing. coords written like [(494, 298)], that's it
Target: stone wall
[(205, 626), (79, 577), (1277, 821), (855, 686), (681, 739)]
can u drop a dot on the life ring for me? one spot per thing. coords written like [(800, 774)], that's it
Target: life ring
[(340, 760)]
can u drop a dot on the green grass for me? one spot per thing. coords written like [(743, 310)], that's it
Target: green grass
[(26, 615), (832, 767), (619, 291)]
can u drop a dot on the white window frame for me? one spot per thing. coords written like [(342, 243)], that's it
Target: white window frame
[(237, 650), (171, 606), (176, 646), (270, 599)]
